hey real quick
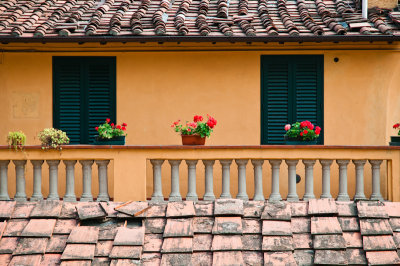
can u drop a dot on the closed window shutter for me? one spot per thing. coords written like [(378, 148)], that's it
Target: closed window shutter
[(93, 92), (292, 90)]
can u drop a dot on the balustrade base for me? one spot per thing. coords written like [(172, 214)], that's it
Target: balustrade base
[(376, 197), (209, 198), (242, 197), (192, 198), (100, 199), (69, 199), (36, 198), (175, 198), (275, 197), (343, 198)]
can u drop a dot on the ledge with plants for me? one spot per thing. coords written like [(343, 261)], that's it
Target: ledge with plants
[(195, 133), (16, 140), (302, 133), (52, 138), (395, 140), (110, 133)]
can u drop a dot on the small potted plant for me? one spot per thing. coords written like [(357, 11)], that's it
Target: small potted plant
[(53, 138), (195, 133), (395, 140), (110, 134), (302, 133), (16, 139)]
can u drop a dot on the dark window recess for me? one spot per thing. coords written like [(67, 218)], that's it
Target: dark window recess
[(291, 90), (84, 90)]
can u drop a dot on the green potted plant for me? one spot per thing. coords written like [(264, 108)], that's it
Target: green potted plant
[(53, 138), (395, 140), (302, 133), (110, 134), (16, 139), (195, 133)]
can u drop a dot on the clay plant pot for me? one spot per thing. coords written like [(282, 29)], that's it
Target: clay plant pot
[(193, 140), (394, 141)]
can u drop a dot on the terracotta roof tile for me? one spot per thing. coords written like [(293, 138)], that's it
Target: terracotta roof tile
[(330, 257), (155, 225), (126, 252), (151, 259), (57, 244), (251, 226), (325, 225), (157, 210), (348, 209), (228, 207), (349, 224), (176, 259), (277, 243), (30, 246), (227, 243), (322, 207), (356, 256), (329, 242), (25, 260), (279, 258), (252, 258), (5, 259), (180, 209), (203, 224), (101, 261), (8, 245), (202, 258), (202, 242), (227, 225), (64, 226), (88, 210), (252, 242), (395, 224), (177, 245), (75, 263), (103, 248), (39, 228), (84, 235), (396, 238), (179, 228), (382, 258), (68, 210), (299, 209), (152, 242), (23, 209), (371, 210), (47, 209), (301, 225), (107, 232), (304, 257), (227, 258), (253, 209), (276, 228), (133, 208), (51, 259), (277, 211), (302, 241), (6, 209), (108, 207), (74, 252), (353, 239), (204, 208), (393, 209), (378, 243), (375, 227), (129, 236)]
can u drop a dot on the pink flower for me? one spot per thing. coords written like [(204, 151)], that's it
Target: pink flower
[(287, 127)]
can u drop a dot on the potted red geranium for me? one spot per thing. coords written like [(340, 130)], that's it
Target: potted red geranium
[(110, 134), (302, 133), (395, 140), (195, 133)]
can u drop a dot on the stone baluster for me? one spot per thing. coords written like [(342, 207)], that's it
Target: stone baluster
[(292, 193), (70, 180), (309, 191), (209, 186), (37, 180), (242, 192), (175, 194), (20, 194), (275, 167), (4, 180), (157, 195), (359, 179), (53, 179), (226, 178), (376, 179), (326, 178), (343, 195), (86, 180), (192, 194), (258, 186), (103, 180)]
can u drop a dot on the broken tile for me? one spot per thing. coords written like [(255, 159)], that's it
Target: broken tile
[(47, 209), (23, 210), (346, 209), (74, 252), (129, 236), (202, 242), (68, 210), (382, 258), (154, 225), (322, 207), (177, 245), (8, 245), (57, 244), (304, 257), (226, 242), (227, 225), (279, 258), (280, 210), (126, 252), (325, 225), (302, 241), (30, 246), (374, 209), (276, 228), (51, 259), (152, 242), (252, 258), (393, 209), (179, 227), (395, 224), (252, 242), (14, 227), (109, 206), (39, 228), (353, 239), (103, 248), (349, 224), (25, 260), (228, 258), (301, 225), (375, 227), (5, 259), (277, 243), (356, 256), (253, 209), (299, 209), (157, 210), (150, 259), (202, 259), (203, 224), (180, 209), (169, 259), (90, 210), (378, 243), (6, 209), (330, 257), (251, 226), (228, 207), (204, 208), (329, 242), (64, 226), (84, 235), (133, 208)]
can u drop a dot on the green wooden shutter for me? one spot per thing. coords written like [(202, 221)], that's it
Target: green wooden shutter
[(291, 90), (84, 95)]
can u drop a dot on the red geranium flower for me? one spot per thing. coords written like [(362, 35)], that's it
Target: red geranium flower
[(96, 128), (124, 124), (119, 127), (305, 132), (396, 125), (108, 120), (112, 124), (124, 128)]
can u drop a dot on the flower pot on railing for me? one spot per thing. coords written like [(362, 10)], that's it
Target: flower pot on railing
[(120, 140), (195, 133), (394, 141), (193, 140), (110, 133), (302, 133)]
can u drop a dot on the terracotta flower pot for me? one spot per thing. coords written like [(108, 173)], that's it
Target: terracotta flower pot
[(193, 140)]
